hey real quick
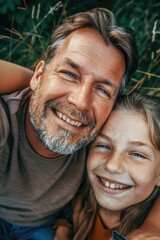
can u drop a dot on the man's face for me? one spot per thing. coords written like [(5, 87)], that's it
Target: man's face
[(74, 95)]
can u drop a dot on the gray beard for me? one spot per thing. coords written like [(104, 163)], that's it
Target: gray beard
[(60, 142)]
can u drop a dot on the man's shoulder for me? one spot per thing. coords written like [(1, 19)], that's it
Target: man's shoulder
[(16, 95), (9, 105), (13, 100), (4, 123)]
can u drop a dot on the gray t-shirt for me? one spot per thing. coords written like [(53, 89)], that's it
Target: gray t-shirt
[(32, 188)]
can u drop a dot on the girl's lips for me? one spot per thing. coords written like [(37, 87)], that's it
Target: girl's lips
[(109, 182), (112, 186)]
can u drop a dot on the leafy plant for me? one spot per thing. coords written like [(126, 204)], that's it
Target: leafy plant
[(7, 5), (144, 18), (28, 25)]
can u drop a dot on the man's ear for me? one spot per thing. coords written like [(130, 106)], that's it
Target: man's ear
[(37, 76)]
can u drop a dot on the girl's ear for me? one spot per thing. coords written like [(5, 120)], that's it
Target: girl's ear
[(34, 83)]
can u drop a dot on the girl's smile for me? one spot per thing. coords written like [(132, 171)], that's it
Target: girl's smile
[(123, 164)]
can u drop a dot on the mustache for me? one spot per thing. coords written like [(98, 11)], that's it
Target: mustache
[(79, 115)]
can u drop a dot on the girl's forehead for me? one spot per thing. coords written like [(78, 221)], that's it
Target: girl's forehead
[(126, 124)]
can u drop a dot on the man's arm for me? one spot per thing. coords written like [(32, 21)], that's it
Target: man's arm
[(13, 77), (151, 227)]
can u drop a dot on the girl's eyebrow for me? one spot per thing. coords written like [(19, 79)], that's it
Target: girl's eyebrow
[(138, 143), (102, 135)]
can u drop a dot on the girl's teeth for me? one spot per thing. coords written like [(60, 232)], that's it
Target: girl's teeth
[(112, 185)]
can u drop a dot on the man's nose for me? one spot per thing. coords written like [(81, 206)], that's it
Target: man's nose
[(115, 163), (80, 97)]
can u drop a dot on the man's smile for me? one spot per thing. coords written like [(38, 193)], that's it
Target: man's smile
[(68, 120)]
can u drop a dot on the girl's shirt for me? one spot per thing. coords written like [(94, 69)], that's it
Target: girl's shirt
[(99, 231)]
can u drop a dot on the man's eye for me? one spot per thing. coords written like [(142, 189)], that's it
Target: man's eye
[(103, 92), (68, 75)]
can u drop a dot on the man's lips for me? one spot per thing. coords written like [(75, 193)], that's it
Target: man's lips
[(68, 120), (73, 122), (111, 184)]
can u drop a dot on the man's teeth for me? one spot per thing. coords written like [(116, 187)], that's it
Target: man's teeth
[(113, 185), (68, 120)]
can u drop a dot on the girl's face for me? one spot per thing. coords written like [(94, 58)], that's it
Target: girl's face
[(123, 165)]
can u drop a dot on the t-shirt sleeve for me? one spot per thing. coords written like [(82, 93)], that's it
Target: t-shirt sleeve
[(4, 125)]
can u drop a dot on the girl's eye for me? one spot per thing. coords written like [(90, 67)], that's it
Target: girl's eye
[(138, 155), (104, 147)]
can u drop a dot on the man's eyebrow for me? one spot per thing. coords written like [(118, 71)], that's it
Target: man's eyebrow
[(108, 83), (71, 63)]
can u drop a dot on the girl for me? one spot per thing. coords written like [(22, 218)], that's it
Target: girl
[(123, 170)]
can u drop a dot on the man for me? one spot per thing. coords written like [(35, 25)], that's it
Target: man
[(44, 131)]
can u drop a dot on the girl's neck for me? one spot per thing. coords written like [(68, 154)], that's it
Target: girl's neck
[(110, 219)]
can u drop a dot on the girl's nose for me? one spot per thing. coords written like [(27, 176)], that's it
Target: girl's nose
[(115, 163)]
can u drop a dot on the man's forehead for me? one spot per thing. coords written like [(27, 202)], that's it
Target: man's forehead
[(80, 50), (89, 43), (81, 45), (84, 37)]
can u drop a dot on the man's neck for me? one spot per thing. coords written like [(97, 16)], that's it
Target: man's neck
[(35, 143)]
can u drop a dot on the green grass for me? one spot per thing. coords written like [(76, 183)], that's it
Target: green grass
[(28, 29)]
